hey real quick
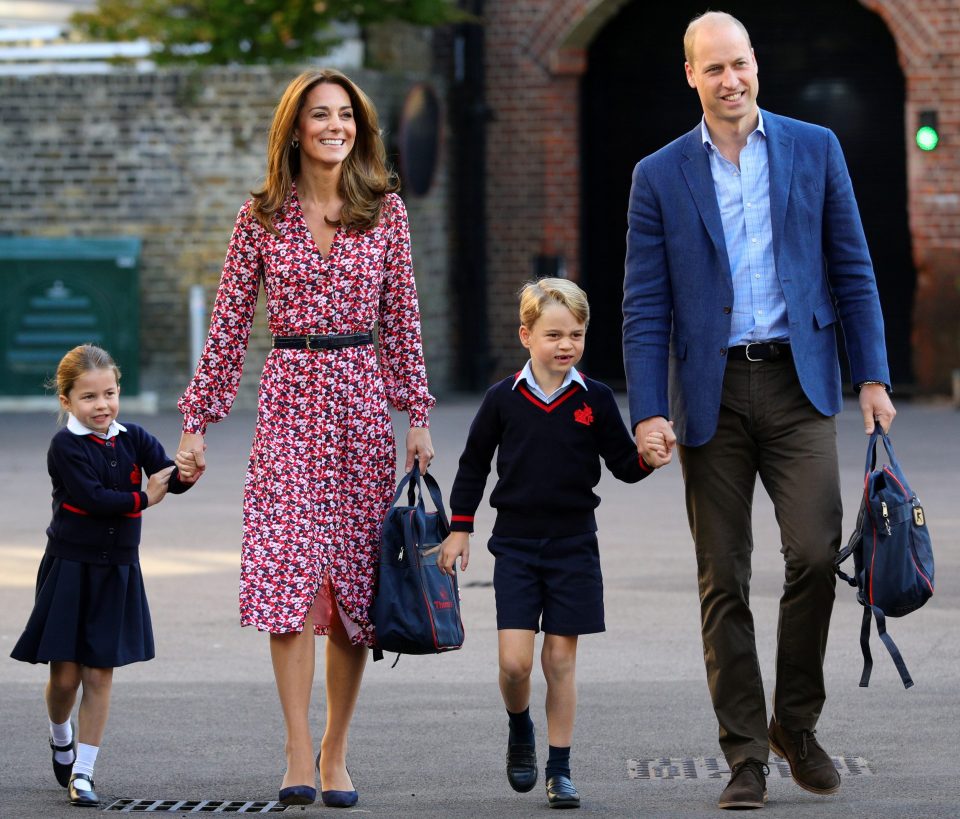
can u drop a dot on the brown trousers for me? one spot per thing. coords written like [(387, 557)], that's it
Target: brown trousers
[(767, 427)]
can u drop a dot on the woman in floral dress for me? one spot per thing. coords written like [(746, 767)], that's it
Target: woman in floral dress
[(328, 239)]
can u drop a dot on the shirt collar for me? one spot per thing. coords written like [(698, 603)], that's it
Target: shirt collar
[(527, 374), (81, 429), (705, 132)]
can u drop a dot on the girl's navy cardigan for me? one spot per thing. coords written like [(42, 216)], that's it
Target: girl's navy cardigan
[(548, 459), (97, 499)]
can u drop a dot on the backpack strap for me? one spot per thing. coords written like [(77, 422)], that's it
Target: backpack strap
[(887, 641), (865, 647)]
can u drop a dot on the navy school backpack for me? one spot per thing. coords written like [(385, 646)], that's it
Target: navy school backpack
[(416, 609), (892, 553)]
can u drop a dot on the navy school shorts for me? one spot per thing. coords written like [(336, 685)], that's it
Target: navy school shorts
[(550, 583)]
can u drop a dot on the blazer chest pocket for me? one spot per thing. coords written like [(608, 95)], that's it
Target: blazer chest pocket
[(804, 187)]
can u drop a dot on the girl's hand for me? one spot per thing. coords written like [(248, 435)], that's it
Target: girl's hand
[(456, 545), (186, 462), (191, 444), (419, 448), (157, 485)]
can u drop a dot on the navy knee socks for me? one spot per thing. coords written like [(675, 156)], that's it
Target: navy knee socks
[(521, 728), (558, 763)]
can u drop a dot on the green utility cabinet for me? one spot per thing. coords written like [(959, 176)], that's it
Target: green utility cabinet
[(58, 293)]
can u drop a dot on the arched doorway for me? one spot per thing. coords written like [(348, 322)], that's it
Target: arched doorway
[(828, 62)]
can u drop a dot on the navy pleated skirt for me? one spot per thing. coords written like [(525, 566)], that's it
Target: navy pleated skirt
[(87, 613)]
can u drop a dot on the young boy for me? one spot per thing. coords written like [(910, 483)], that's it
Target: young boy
[(550, 426)]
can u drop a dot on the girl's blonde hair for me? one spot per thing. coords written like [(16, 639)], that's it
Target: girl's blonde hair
[(75, 363), (535, 296), (364, 179)]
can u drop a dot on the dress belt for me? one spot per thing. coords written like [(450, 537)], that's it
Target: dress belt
[(325, 342), (760, 351)]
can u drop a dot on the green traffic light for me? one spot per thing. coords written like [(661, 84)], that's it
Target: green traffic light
[(927, 138)]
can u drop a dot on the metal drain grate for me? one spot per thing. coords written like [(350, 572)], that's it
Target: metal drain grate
[(193, 806), (710, 767)]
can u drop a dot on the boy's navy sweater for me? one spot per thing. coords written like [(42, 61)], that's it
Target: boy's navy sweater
[(97, 499), (548, 459)]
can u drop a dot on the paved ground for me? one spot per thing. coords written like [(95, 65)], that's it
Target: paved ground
[(202, 721)]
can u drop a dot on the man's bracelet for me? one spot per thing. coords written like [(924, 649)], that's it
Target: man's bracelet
[(863, 384)]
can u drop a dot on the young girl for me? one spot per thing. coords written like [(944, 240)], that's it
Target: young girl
[(91, 612), (550, 427)]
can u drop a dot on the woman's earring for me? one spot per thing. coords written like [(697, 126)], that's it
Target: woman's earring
[(295, 143)]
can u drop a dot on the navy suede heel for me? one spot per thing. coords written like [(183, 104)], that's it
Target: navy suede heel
[(337, 799), (298, 795)]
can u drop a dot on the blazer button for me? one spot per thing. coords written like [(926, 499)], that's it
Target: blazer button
[(104, 556), (723, 351), (111, 531), (727, 310), (113, 463)]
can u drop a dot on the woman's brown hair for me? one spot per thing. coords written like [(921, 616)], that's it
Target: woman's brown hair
[(364, 177)]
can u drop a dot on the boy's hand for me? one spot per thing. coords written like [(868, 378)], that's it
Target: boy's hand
[(186, 461), (456, 545), (657, 431), (655, 451), (157, 485)]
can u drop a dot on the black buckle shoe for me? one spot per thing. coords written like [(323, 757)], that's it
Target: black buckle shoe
[(62, 770), (522, 766), (561, 793), (81, 791)]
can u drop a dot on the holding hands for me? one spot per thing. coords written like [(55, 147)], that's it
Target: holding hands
[(189, 459), (656, 440)]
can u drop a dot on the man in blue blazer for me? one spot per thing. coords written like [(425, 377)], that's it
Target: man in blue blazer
[(744, 251)]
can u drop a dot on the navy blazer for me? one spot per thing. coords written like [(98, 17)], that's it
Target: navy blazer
[(678, 293)]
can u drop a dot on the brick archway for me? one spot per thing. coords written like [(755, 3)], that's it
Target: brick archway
[(536, 55)]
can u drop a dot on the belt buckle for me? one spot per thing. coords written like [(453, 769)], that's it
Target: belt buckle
[(308, 340), (747, 351)]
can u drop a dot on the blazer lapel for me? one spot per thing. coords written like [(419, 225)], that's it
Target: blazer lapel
[(696, 171), (780, 163)]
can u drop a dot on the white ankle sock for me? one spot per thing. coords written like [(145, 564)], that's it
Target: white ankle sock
[(62, 735), (86, 758)]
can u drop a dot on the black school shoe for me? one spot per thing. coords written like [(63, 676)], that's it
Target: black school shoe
[(561, 793), (62, 770), (521, 766), (81, 790)]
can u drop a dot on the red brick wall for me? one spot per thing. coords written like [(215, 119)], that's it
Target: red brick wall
[(535, 52), (927, 33)]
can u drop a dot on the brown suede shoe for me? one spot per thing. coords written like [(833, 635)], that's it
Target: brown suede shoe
[(747, 787), (810, 766)]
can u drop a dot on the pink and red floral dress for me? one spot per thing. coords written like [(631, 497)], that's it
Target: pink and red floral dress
[(323, 463)]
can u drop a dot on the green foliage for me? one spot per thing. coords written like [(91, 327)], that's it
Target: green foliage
[(247, 31)]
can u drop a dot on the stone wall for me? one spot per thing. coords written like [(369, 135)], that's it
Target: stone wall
[(170, 156)]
